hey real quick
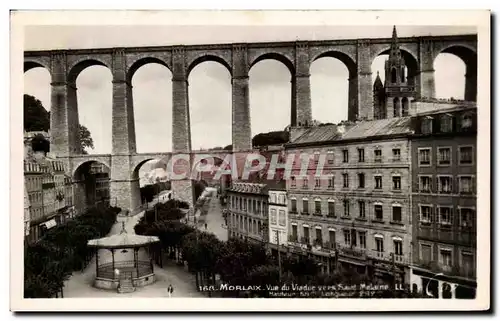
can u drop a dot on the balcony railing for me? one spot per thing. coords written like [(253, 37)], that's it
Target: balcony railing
[(462, 271), (353, 253), (466, 236), (317, 213), (293, 239)]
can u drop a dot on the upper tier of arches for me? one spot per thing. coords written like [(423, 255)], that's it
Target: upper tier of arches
[(286, 55)]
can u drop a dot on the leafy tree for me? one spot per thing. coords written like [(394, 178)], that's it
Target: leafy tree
[(40, 144), (37, 118), (271, 138), (85, 138), (63, 249)]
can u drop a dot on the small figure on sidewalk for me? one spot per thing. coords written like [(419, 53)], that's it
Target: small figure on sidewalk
[(170, 290), (206, 226)]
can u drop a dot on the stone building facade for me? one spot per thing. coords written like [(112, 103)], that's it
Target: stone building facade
[(278, 215), (248, 211), (358, 209), (27, 207), (49, 190), (444, 202)]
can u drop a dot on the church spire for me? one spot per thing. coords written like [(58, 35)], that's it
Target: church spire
[(394, 43)]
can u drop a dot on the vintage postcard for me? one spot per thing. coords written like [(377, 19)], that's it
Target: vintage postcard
[(301, 161)]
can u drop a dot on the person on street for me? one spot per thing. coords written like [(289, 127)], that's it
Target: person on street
[(170, 290)]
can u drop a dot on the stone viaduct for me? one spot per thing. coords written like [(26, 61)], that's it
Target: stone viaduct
[(357, 54)]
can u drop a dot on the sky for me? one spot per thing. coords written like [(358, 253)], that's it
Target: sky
[(210, 82)]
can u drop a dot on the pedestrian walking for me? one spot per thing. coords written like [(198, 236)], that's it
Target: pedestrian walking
[(206, 226), (170, 290)]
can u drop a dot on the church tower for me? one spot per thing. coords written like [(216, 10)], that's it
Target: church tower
[(398, 92), (379, 111)]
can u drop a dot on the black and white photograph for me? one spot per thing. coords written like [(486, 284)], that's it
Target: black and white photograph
[(189, 159)]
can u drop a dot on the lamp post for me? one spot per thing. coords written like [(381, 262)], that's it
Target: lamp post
[(279, 254)]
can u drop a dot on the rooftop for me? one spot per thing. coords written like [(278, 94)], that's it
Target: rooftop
[(251, 188), (123, 240), (358, 130)]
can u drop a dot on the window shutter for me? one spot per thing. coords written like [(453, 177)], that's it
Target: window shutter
[(418, 184)]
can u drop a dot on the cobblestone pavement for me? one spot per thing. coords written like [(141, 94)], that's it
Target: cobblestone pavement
[(80, 283)]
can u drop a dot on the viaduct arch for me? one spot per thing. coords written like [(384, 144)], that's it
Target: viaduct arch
[(357, 54)]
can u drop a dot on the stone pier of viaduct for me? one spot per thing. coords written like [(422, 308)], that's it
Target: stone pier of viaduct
[(357, 54)]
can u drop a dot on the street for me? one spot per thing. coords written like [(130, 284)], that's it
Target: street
[(211, 215)]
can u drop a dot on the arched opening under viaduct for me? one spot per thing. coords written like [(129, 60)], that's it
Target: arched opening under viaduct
[(271, 82), (333, 87), (210, 103), (151, 96), (456, 73), (92, 185), (37, 81), (152, 179), (91, 101)]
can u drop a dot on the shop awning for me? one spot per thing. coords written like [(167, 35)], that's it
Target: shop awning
[(50, 224)]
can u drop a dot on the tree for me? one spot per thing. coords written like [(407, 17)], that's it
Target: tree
[(85, 138), (40, 144), (271, 138), (37, 118)]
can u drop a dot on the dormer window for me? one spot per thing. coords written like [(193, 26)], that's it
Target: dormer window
[(466, 121), (426, 126), (446, 123)]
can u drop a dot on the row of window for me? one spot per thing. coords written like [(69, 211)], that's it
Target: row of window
[(250, 225), (277, 198), (443, 215), (444, 184), (33, 183), (250, 205), (377, 155), (361, 182), (351, 238), (35, 197), (281, 221), (444, 156), (378, 209), (445, 256)]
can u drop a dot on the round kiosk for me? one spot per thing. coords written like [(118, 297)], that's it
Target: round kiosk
[(124, 270)]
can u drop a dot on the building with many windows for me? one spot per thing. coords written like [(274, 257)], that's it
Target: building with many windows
[(248, 211), (444, 202), (357, 205), (27, 207), (100, 177), (278, 214), (48, 188)]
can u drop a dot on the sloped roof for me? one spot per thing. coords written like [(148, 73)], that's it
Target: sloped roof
[(380, 127), (362, 129), (123, 240), (318, 134)]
